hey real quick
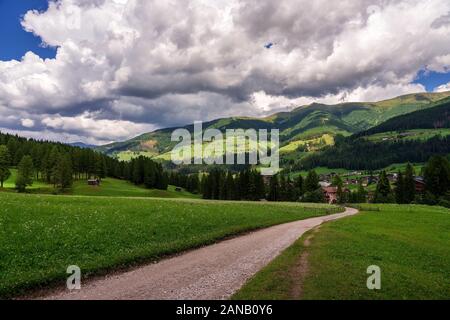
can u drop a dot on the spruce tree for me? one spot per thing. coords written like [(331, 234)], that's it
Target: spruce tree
[(400, 195), (25, 173), (283, 190), (383, 192), (260, 186), (63, 172), (361, 195), (299, 184), (231, 192), (273, 189), (312, 181), (437, 176), (5, 160), (409, 185)]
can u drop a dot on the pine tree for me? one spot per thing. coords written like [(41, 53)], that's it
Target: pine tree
[(299, 184), (400, 194), (312, 181), (63, 172), (231, 193), (291, 192), (437, 176), (273, 189), (283, 190), (361, 195), (337, 181), (5, 160), (25, 173), (383, 192), (260, 186), (409, 185)]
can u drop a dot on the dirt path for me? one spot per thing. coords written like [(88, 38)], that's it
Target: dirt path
[(213, 272)]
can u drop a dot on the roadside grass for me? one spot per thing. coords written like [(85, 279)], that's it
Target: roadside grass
[(41, 235), (409, 243)]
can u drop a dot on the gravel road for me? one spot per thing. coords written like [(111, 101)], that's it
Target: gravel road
[(213, 272)]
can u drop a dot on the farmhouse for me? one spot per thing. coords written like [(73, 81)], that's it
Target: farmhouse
[(331, 194), (419, 184), (94, 182)]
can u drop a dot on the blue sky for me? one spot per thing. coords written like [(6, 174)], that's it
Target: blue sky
[(432, 80), (15, 42)]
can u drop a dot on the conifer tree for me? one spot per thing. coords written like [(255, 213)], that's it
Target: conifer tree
[(5, 160), (299, 184), (312, 181), (63, 172), (25, 173), (400, 194), (273, 189), (437, 176), (383, 192), (409, 184)]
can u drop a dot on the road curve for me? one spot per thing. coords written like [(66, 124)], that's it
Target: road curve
[(210, 273)]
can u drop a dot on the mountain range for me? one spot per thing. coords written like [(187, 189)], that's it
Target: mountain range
[(304, 129)]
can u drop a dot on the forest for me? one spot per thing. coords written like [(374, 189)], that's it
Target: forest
[(59, 164), (374, 155)]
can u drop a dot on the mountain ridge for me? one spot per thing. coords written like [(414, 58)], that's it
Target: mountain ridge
[(300, 124)]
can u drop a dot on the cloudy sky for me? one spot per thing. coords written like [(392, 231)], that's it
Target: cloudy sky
[(104, 70)]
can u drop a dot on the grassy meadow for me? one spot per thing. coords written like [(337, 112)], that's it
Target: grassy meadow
[(41, 235), (119, 188), (409, 243), (109, 187), (11, 183)]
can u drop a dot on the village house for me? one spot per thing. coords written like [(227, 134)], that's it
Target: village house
[(331, 194), (419, 184), (94, 182)]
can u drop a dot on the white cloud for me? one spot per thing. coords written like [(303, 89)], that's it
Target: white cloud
[(101, 129), (28, 123), (443, 88), (139, 64)]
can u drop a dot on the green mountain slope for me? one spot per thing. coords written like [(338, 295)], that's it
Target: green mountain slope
[(413, 137), (315, 122)]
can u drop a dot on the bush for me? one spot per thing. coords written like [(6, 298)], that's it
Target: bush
[(444, 203)]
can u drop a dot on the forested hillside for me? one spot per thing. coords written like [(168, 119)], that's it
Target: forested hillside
[(379, 154), (298, 127), (59, 164), (437, 117)]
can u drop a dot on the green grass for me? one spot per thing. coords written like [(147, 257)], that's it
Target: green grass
[(41, 235), (395, 168), (109, 187), (119, 188), (409, 243), (11, 182), (130, 155)]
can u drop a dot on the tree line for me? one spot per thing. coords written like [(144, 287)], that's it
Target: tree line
[(60, 164), (374, 155), (436, 176)]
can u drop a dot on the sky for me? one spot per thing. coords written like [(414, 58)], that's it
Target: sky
[(98, 71)]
